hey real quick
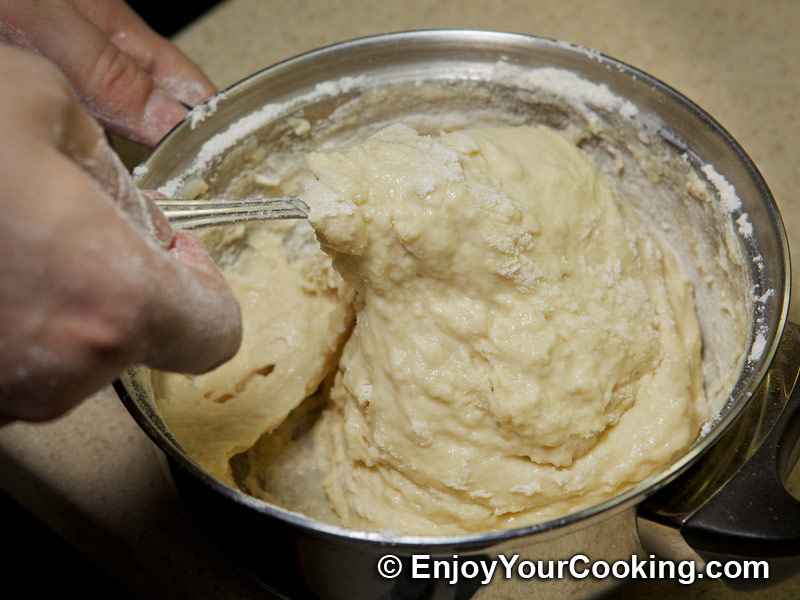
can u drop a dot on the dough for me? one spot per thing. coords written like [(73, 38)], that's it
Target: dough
[(522, 347), (296, 313)]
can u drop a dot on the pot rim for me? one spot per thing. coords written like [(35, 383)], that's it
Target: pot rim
[(738, 398)]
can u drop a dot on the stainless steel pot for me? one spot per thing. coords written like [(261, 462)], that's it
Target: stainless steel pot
[(724, 498)]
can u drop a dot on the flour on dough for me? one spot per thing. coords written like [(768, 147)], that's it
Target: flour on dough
[(522, 345)]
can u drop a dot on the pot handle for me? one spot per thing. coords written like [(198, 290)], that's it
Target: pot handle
[(732, 505), (753, 516)]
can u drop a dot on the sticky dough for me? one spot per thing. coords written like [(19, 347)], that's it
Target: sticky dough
[(295, 314), (522, 345)]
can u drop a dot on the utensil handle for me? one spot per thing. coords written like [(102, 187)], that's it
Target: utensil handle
[(753, 516)]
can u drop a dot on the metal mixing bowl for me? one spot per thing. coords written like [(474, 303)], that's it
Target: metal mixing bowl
[(676, 512)]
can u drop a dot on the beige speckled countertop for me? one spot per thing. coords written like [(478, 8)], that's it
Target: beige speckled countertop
[(94, 477)]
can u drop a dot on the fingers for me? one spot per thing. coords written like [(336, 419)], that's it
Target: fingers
[(190, 252), (93, 278), (192, 321), (84, 295), (172, 70), (132, 80), (84, 142), (195, 320)]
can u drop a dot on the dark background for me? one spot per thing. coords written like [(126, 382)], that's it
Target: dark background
[(37, 562), (169, 16)]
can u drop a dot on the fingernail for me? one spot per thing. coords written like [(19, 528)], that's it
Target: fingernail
[(162, 113), (194, 92)]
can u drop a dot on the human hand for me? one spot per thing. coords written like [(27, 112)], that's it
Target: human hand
[(131, 79), (92, 278)]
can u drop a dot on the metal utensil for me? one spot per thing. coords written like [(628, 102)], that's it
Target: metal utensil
[(194, 214)]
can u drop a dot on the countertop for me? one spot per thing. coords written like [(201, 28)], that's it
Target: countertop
[(93, 476)]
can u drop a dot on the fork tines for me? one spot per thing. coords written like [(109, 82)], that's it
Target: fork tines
[(192, 214)]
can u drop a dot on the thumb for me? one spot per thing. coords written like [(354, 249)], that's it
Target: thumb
[(195, 323)]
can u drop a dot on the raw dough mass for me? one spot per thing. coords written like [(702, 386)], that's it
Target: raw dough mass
[(522, 346)]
